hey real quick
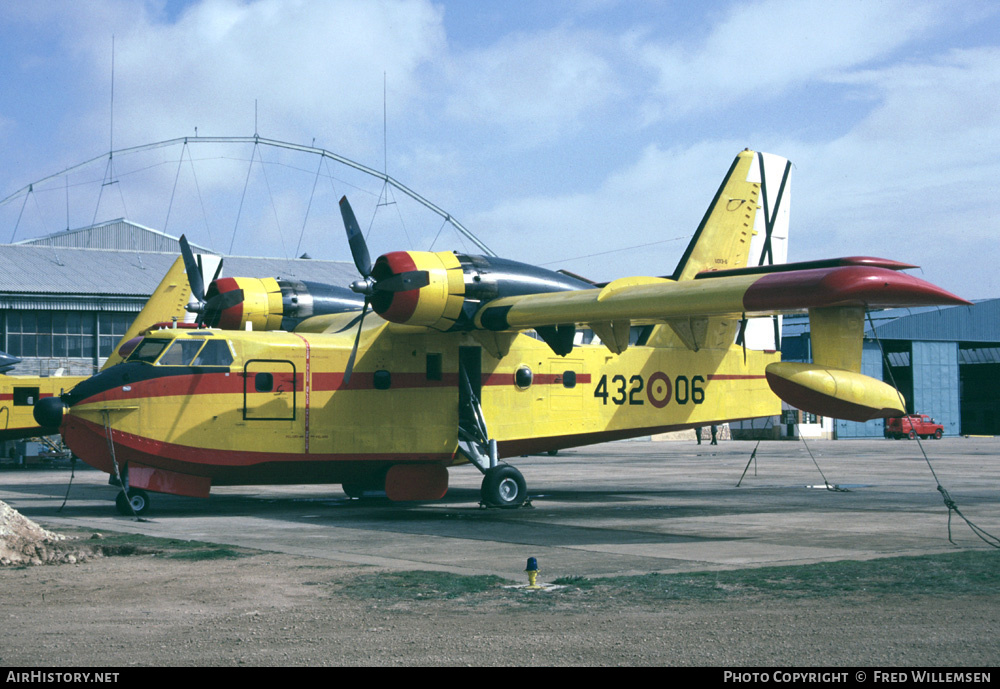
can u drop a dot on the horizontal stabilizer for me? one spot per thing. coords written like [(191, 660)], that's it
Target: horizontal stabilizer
[(869, 261)]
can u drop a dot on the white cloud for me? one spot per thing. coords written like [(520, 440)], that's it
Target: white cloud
[(530, 137), (315, 68), (914, 179), (533, 86), (656, 201), (758, 51)]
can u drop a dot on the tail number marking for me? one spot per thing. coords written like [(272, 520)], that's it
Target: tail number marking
[(659, 389)]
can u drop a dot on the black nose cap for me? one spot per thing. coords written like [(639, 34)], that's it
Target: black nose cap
[(48, 412)]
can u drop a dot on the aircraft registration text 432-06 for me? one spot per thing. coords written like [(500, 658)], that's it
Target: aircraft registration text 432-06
[(659, 389)]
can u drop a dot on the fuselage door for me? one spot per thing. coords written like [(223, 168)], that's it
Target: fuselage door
[(269, 390)]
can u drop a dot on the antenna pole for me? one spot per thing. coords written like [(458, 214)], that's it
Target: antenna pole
[(111, 135), (385, 148)]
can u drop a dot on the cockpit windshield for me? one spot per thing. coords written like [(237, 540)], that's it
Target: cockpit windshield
[(183, 352), (180, 353), (148, 350)]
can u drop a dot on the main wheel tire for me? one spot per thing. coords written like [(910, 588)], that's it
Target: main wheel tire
[(938, 434), (504, 487), (139, 499)]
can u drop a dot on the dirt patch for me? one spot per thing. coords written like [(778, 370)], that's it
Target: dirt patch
[(163, 607)]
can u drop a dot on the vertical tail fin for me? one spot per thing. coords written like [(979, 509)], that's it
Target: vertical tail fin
[(167, 302), (732, 234)]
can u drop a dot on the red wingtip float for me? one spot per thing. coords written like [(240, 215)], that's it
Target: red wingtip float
[(470, 359), (869, 285)]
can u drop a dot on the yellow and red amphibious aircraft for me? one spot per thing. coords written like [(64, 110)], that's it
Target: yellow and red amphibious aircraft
[(471, 359), (18, 395)]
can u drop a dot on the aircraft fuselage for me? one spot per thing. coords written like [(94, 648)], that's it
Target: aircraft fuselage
[(279, 412)]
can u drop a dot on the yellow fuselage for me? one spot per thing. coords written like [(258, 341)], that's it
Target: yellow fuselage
[(279, 411)]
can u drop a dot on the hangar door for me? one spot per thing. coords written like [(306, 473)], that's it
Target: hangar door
[(871, 365), (935, 383)]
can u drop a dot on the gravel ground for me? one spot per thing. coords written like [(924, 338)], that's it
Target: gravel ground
[(276, 609)]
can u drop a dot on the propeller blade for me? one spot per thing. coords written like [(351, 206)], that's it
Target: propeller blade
[(354, 351), (219, 303), (411, 279), (193, 272), (359, 248)]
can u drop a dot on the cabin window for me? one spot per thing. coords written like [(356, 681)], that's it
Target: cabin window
[(148, 350), (25, 397), (569, 379), (383, 380), (215, 353), (523, 377), (433, 367), (263, 382)]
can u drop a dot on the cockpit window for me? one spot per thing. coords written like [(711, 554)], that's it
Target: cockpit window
[(180, 353), (215, 353), (148, 350)]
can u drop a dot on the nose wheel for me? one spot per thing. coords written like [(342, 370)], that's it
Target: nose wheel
[(503, 486), (139, 500)]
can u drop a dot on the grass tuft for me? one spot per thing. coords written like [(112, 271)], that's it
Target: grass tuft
[(419, 584)]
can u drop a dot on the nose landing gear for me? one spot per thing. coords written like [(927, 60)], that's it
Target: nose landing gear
[(136, 502)]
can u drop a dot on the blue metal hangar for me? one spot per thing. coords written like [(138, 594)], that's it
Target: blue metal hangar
[(945, 361)]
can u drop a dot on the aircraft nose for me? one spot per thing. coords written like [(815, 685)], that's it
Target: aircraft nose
[(48, 412)]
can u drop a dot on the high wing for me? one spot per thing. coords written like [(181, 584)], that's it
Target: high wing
[(732, 271), (836, 298), (712, 290), (851, 282)]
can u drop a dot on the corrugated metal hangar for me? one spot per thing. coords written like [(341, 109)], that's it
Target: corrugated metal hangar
[(945, 361), (66, 300)]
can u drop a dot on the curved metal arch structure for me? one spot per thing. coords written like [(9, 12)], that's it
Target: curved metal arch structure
[(258, 140)]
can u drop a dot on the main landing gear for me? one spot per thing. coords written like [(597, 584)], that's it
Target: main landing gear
[(503, 485), (139, 500)]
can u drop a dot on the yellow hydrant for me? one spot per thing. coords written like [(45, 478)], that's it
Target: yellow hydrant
[(532, 570)]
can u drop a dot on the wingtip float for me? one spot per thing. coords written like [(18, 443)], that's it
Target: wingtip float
[(448, 374)]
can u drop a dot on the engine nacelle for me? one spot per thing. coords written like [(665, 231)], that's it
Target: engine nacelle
[(451, 288), (456, 286), (277, 304), (438, 304), (260, 305)]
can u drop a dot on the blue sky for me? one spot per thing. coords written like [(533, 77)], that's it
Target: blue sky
[(561, 133)]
